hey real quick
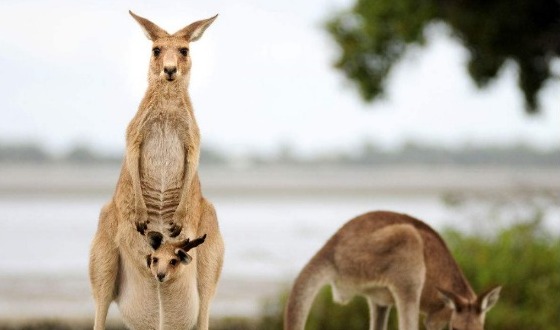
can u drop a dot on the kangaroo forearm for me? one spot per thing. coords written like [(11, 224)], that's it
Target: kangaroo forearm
[(190, 172), (133, 166)]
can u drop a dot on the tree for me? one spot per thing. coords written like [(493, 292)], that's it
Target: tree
[(374, 34)]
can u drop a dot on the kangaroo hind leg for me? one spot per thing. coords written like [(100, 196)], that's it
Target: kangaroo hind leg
[(104, 265), (378, 315), (209, 263)]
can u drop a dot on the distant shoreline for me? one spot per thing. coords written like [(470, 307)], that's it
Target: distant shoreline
[(27, 180)]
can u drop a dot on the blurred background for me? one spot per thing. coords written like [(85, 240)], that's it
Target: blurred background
[(311, 112)]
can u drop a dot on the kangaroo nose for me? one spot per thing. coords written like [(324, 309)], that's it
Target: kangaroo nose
[(160, 277), (169, 70)]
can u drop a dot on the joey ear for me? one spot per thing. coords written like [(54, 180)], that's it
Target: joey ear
[(194, 31), (151, 30), (154, 238), (183, 256), (489, 298), (187, 244), (149, 260), (450, 299)]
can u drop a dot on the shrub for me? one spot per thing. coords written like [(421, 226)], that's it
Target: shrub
[(525, 260)]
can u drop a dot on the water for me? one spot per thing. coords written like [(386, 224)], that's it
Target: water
[(45, 238)]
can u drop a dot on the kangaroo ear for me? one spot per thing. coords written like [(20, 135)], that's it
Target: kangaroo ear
[(488, 299), (450, 299), (155, 238), (149, 260), (187, 244), (194, 31), (151, 30), (183, 256)]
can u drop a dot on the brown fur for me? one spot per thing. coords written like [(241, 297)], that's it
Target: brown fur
[(158, 187), (391, 259), (168, 263)]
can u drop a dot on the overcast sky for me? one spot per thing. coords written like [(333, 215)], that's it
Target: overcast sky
[(75, 71)]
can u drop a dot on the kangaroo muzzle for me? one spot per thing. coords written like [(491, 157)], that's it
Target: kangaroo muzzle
[(170, 66), (170, 72)]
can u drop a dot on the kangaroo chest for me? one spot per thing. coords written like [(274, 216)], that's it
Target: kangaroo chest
[(162, 166)]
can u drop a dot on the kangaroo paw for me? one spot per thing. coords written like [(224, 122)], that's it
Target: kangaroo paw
[(175, 230), (141, 227)]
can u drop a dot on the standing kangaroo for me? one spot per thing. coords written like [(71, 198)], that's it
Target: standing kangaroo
[(158, 187), (391, 259)]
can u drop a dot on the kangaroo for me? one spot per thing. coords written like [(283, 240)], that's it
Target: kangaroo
[(391, 259), (158, 188), (167, 264), (165, 261)]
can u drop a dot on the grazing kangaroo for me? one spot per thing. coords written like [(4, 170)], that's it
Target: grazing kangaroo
[(391, 259), (158, 187), (175, 292)]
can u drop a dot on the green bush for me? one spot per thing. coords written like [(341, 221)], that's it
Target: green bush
[(523, 258)]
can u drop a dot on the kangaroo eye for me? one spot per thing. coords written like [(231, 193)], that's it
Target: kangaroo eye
[(173, 262), (156, 51), (184, 51), (154, 260)]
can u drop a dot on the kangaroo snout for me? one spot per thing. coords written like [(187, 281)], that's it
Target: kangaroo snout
[(160, 277), (170, 72)]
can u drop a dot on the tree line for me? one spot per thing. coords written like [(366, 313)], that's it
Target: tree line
[(367, 155)]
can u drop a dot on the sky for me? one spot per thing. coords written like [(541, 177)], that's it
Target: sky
[(74, 72)]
